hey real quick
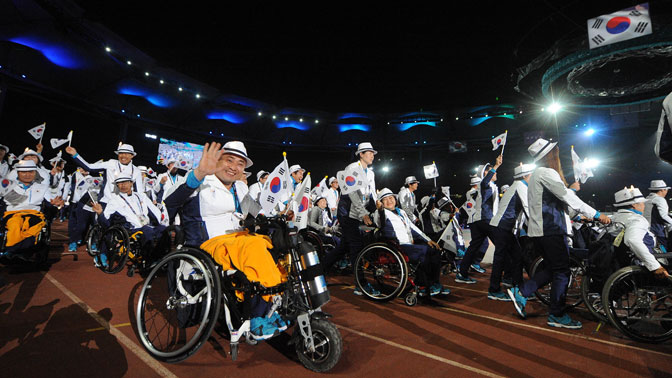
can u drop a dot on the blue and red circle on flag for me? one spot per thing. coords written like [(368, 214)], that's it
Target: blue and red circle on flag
[(304, 204), (618, 25), (276, 185), (5, 183), (183, 163), (350, 181), (469, 205)]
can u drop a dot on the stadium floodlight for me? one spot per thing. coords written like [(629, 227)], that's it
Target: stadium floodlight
[(386, 168), (589, 132), (591, 163), (554, 108)]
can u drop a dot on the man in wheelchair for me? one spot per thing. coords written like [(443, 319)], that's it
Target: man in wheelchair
[(635, 228), (418, 247), (23, 204), (209, 199), (322, 222), (135, 211)]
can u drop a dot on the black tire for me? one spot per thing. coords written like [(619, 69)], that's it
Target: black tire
[(592, 297), (411, 299), (176, 236), (577, 272), (638, 304), (169, 331), (381, 272), (115, 244), (328, 347), (93, 238)]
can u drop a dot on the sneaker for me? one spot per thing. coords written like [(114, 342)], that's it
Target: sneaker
[(102, 260), (518, 300), (498, 296), (466, 280), (460, 253), (444, 290), (72, 247), (563, 321), (369, 289), (342, 264), (435, 289), (477, 268), (507, 282), (94, 247), (262, 328), (278, 321), (422, 291)]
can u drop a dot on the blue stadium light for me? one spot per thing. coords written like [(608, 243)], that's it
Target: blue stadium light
[(291, 125), (589, 132), (56, 54), (408, 125), (348, 127), (228, 116), (153, 98)]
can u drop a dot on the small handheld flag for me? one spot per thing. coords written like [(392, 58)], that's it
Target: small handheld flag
[(582, 172), (38, 131), (499, 140)]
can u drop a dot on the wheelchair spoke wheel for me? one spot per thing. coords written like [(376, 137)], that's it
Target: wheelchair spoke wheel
[(591, 292), (115, 244), (93, 238), (328, 347), (179, 305), (576, 275), (639, 305), (381, 273)]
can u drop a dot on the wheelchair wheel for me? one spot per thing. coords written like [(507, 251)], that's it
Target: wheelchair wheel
[(115, 244), (93, 238), (176, 236), (179, 305), (381, 272), (639, 305), (592, 297), (576, 274), (328, 347)]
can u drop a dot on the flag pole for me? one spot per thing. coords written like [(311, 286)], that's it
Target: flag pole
[(43, 130), (70, 139), (576, 179), (506, 133), (435, 188)]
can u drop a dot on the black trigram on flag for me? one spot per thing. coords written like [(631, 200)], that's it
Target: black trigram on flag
[(355, 173), (635, 13), (284, 185), (281, 171), (270, 199), (641, 27), (359, 182), (597, 39), (597, 23)]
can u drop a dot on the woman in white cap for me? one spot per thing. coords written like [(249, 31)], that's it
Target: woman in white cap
[(451, 237), (657, 212), (332, 196), (166, 179), (81, 216), (123, 165), (43, 175), (255, 189), (4, 166), (630, 203), (209, 199), (417, 246), (506, 224), (355, 208), (407, 198), (549, 199), (487, 201), (24, 203)]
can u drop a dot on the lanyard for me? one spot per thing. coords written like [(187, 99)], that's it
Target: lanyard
[(235, 198), (131, 207), (132, 168), (400, 215)]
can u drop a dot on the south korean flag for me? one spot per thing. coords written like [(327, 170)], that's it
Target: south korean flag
[(619, 26)]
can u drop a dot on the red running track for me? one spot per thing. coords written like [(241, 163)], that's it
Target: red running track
[(71, 320)]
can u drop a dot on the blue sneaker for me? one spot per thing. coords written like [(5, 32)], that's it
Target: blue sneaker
[(262, 329), (278, 321), (102, 259), (94, 247), (460, 253), (342, 264), (477, 268), (72, 247), (466, 280), (369, 289), (498, 296), (435, 289), (563, 321), (444, 290), (518, 300)]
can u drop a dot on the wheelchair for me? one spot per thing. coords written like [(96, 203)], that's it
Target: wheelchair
[(322, 247), (122, 248), (186, 295), (638, 304), (36, 253)]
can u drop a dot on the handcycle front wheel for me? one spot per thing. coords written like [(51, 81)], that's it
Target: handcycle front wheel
[(576, 275), (328, 347), (639, 305), (381, 272), (178, 305)]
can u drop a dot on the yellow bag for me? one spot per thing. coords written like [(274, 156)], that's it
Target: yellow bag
[(18, 225)]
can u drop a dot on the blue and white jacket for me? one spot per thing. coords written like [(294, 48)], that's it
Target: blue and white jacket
[(353, 205), (130, 208), (512, 211), (113, 168), (207, 208), (487, 199), (656, 212), (399, 226), (637, 236), (549, 202)]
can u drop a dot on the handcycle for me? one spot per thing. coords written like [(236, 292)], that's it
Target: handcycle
[(36, 253), (186, 294)]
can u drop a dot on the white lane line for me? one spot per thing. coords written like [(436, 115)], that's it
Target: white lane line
[(421, 353), (133, 347), (571, 335)]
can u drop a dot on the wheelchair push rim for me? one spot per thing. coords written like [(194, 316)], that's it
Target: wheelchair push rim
[(573, 293), (381, 273), (115, 244), (174, 322)]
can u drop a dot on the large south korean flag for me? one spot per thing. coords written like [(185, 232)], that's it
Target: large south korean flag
[(619, 26)]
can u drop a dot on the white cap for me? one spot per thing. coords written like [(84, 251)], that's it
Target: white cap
[(365, 146), (56, 159), (504, 188), (658, 185), (385, 192), (261, 174), (475, 180), (424, 201), (3, 147), (540, 148), (442, 202), (523, 170), (29, 152), (480, 170), (125, 148), (628, 196), (247, 174), (237, 148), (332, 180), (410, 180), (26, 166), (295, 168), (123, 177)]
